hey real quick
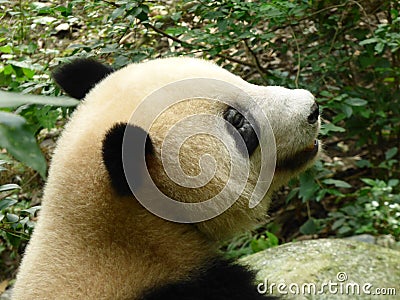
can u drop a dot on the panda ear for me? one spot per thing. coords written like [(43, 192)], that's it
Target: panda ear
[(112, 154), (78, 77)]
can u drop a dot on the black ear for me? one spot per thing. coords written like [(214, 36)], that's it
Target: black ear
[(112, 154), (78, 77)]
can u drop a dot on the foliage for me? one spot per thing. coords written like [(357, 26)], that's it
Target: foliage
[(18, 133), (376, 210), (20, 142), (250, 243), (16, 221)]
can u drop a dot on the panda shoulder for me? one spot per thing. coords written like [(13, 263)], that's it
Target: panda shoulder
[(222, 280)]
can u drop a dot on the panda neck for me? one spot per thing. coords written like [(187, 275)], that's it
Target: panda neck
[(110, 245)]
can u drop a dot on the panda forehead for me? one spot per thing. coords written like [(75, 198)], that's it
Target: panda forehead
[(212, 106), (219, 101), (236, 109)]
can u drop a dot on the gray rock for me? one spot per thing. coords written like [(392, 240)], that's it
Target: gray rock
[(387, 241), (366, 238), (6, 295), (349, 268)]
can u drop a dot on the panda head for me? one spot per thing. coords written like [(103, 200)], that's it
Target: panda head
[(187, 139)]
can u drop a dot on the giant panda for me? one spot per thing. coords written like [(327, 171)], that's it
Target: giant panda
[(96, 240)]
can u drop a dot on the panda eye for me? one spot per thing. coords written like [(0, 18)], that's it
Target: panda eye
[(238, 120), (234, 117), (244, 128)]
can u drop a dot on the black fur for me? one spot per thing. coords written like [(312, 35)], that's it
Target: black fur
[(244, 127), (80, 76), (112, 154), (223, 280), (314, 115)]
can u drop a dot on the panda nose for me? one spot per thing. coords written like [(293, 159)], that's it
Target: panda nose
[(313, 117)]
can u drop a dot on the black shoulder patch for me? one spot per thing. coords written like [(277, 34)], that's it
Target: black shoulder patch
[(222, 281), (78, 77), (112, 154)]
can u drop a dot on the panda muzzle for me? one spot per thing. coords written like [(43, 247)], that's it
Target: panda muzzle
[(300, 159)]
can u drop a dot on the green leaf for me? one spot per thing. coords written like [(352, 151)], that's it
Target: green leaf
[(379, 47), (369, 181), (14, 239), (8, 70), (25, 65), (142, 14), (292, 193), (7, 203), (6, 49), (338, 223), (391, 153), (337, 183), (257, 245), (395, 13), (344, 230), (9, 187), (117, 12), (309, 227), (12, 218), (328, 127), (348, 111), (389, 79), (350, 210), (176, 16), (327, 94), (368, 41), (32, 210), (272, 238), (11, 119), (356, 102), (366, 113), (363, 163), (9, 99), (308, 186), (28, 73), (20, 142)]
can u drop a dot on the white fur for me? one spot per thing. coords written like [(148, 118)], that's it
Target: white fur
[(91, 244)]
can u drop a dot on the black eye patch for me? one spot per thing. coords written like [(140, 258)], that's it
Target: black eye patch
[(244, 128)]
